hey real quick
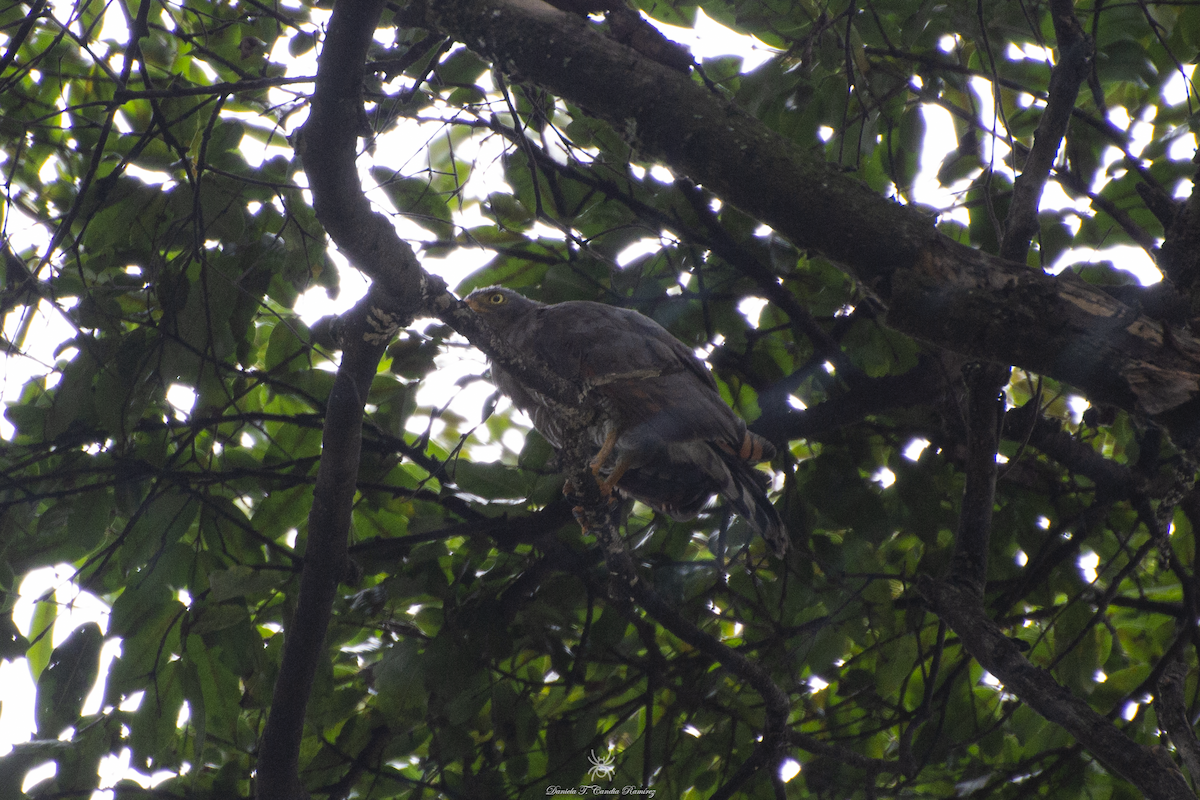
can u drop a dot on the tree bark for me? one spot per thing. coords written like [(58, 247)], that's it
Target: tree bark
[(325, 558)]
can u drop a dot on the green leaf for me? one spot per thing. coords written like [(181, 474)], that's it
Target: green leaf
[(399, 680), (491, 481), (301, 43), (165, 519), (416, 198), (24, 756), (67, 680), (154, 737), (212, 691), (241, 580), (289, 345), (461, 67), (988, 200), (41, 630)]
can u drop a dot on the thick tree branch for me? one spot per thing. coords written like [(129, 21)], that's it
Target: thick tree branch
[(328, 147), (325, 560), (1155, 777), (710, 140), (936, 289), (328, 144), (1114, 481), (923, 384)]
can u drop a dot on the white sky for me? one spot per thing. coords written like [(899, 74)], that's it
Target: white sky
[(48, 329)]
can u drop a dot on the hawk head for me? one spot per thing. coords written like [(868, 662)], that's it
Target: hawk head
[(499, 307)]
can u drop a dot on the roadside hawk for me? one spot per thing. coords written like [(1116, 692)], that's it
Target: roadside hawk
[(665, 436)]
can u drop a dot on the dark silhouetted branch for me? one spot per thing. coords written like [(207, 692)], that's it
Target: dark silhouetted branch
[(779, 422), (1074, 63), (1113, 481), (325, 559), (1155, 776), (1171, 708), (985, 410)]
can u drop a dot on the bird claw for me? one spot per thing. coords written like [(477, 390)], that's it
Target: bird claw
[(606, 449), (608, 484)]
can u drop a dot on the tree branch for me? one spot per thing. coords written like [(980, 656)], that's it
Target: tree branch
[(1156, 778), (780, 423), (985, 410), (328, 147), (1113, 481), (844, 755), (1074, 63), (325, 560), (1171, 708)]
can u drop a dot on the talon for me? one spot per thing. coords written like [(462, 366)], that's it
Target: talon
[(609, 483), (606, 449)]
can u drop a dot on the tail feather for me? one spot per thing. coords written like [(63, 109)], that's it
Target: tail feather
[(746, 492)]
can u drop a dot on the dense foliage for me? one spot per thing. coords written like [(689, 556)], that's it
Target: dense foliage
[(153, 202)]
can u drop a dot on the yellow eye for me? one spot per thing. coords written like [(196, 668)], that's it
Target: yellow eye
[(496, 298)]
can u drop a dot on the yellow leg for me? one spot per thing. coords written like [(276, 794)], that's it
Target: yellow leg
[(605, 451), (606, 487)]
